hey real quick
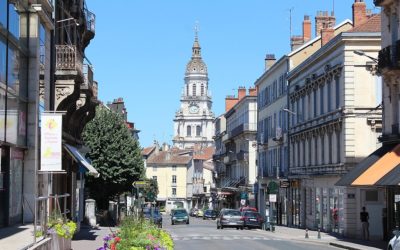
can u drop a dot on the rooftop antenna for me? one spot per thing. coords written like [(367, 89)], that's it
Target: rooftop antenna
[(290, 24), (333, 7)]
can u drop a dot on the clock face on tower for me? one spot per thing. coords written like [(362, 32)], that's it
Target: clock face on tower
[(193, 109)]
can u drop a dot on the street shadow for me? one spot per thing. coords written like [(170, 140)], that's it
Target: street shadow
[(8, 231), (86, 233), (381, 244)]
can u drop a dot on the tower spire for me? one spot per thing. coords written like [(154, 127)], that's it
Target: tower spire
[(196, 50)]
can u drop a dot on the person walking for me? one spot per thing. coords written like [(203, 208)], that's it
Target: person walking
[(364, 217)]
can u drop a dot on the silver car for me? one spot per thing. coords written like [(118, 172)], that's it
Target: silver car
[(230, 218)]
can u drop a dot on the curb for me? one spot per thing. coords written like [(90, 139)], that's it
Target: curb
[(343, 246)]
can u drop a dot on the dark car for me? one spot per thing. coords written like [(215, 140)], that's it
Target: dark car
[(153, 215), (179, 216), (210, 214), (230, 218), (252, 219)]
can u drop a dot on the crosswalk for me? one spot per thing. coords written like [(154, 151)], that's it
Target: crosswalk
[(221, 237)]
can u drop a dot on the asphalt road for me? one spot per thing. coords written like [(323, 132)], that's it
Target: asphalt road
[(203, 234)]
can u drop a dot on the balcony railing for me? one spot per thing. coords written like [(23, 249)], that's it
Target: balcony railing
[(90, 21), (233, 182), (242, 156), (326, 169), (68, 58), (88, 75), (387, 58), (242, 128)]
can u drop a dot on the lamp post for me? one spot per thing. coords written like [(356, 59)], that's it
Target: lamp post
[(371, 66)]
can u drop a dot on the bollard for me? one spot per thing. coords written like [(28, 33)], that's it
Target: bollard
[(319, 233), (306, 234)]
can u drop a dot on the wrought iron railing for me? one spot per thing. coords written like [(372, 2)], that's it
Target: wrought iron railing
[(88, 73), (68, 58), (90, 21), (326, 169)]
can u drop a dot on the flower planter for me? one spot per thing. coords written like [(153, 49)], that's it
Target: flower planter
[(60, 243)]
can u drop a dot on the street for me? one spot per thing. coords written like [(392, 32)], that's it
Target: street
[(203, 234)]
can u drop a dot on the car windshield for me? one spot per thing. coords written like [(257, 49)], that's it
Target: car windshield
[(232, 213), (180, 212)]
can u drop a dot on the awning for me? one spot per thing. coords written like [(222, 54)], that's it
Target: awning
[(381, 168), (76, 155)]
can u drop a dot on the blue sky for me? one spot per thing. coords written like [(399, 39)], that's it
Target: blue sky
[(141, 49)]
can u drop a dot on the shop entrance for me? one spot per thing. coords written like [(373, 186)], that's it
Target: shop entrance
[(4, 186)]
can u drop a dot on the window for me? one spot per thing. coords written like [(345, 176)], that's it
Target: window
[(337, 94), (338, 145), (202, 89), (315, 150), (330, 148), (174, 168), (198, 131), (315, 102), (174, 179), (309, 151), (155, 177), (205, 189), (321, 100), (187, 89), (3, 13), (322, 149), (328, 85), (188, 131), (194, 90), (174, 191)]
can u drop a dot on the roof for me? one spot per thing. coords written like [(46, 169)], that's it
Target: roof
[(203, 153), (373, 24), (148, 150), (178, 157)]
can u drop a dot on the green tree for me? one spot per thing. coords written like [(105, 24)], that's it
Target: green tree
[(114, 153)]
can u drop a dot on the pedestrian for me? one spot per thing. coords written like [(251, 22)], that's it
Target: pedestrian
[(364, 217)]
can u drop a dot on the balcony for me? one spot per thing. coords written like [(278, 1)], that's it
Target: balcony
[(326, 169), (387, 58), (90, 25), (242, 156), (382, 3), (243, 128), (88, 76), (233, 183), (68, 58)]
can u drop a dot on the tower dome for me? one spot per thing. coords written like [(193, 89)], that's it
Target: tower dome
[(196, 63)]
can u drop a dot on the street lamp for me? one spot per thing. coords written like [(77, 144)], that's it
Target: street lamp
[(362, 53)]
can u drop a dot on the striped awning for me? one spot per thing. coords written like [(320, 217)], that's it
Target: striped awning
[(381, 168)]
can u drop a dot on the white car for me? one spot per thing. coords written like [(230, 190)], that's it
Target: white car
[(394, 243)]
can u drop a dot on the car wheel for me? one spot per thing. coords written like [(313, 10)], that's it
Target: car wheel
[(204, 218), (187, 222), (172, 223), (237, 228), (241, 228), (221, 227), (390, 248)]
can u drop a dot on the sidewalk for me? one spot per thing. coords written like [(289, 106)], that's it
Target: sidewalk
[(16, 237), (90, 238), (326, 238)]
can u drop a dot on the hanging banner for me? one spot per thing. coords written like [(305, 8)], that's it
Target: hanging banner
[(51, 142)]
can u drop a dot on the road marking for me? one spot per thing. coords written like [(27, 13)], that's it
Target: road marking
[(221, 237)]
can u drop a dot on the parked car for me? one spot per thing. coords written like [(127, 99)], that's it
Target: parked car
[(394, 243), (154, 216), (193, 212), (230, 218), (252, 219), (179, 216), (200, 213), (247, 208), (210, 214)]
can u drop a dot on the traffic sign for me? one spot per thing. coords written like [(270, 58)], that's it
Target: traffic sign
[(139, 183)]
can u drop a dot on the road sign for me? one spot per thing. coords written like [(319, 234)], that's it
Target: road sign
[(139, 183), (150, 196), (272, 197)]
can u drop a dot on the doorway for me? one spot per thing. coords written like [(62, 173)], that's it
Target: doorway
[(4, 185)]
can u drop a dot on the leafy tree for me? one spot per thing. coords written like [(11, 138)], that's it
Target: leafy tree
[(114, 153)]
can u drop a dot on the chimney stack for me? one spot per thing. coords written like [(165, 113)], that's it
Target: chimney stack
[(241, 92), (252, 91), (323, 20), (326, 35), (269, 61), (359, 12), (306, 29), (230, 101)]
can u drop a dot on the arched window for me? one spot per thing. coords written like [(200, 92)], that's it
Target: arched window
[(187, 89), (188, 131), (194, 90), (198, 130), (202, 89)]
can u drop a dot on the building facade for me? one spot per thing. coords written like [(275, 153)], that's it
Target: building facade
[(193, 122), (335, 104)]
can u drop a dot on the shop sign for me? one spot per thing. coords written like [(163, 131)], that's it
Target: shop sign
[(243, 202), (284, 184), (51, 150), (272, 198)]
